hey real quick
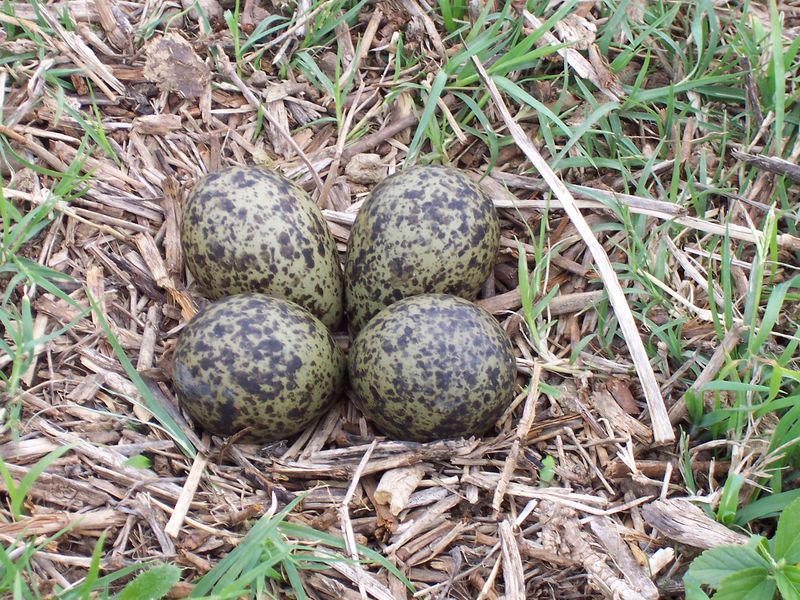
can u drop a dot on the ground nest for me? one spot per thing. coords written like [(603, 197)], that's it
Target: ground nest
[(112, 111)]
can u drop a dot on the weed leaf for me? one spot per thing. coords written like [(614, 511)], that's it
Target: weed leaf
[(788, 580), (787, 537), (749, 584), (714, 565), (138, 461), (152, 584)]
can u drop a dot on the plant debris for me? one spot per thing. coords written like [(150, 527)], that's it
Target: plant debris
[(583, 487)]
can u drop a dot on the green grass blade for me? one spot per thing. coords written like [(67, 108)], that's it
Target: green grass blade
[(778, 75), (427, 116), (165, 420), (772, 312), (21, 490), (769, 506), (154, 583), (303, 532), (239, 559), (84, 591), (523, 97), (595, 116)]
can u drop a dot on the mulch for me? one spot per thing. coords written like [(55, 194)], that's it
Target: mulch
[(461, 518)]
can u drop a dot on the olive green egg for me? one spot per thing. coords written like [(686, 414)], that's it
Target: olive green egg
[(431, 367), (256, 361), (249, 229), (427, 229)]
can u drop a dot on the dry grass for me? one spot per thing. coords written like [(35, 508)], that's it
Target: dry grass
[(468, 518)]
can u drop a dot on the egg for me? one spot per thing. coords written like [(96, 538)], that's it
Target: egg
[(427, 229), (249, 229), (431, 367), (256, 362)]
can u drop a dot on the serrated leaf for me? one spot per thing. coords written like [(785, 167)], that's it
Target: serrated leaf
[(151, 584), (787, 537), (747, 584), (714, 565), (788, 580)]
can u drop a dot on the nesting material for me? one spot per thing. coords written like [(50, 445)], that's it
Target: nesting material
[(396, 487)]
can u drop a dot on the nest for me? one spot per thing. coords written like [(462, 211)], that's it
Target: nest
[(569, 495)]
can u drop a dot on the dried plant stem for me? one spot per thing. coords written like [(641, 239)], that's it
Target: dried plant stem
[(513, 572), (347, 525), (230, 73), (175, 522)]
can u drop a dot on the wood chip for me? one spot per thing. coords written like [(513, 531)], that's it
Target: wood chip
[(396, 487), (115, 23), (513, 573), (173, 65), (682, 521), (617, 418), (606, 531), (157, 124), (85, 523)]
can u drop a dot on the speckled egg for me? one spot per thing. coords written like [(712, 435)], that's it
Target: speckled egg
[(427, 229), (432, 367), (249, 229), (256, 361)]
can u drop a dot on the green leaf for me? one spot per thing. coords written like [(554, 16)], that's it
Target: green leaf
[(766, 507), (263, 30), (162, 416), (580, 133), (437, 87), (714, 565), (294, 579), (90, 581), (748, 584), (779, 96), (788, 580), (305, 532), (787, 536), (547, 472), (21, 491), (773, 311), (730, 499), (152, 584), (138, 461), (247, 554), (105, 581)]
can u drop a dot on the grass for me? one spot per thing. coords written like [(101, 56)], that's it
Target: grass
[(273, 552), (272, 555), (266, 556), (20, 272), (681, 65), (760, 378), (17, 575), (18, 492)]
